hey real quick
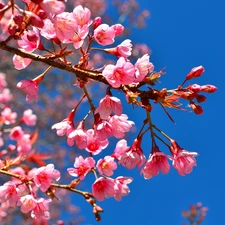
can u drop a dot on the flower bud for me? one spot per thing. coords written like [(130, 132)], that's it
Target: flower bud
[(18, 19), (195, 72), (201, 98), (97, 21), (208, 88), (196, 108), (194, 88)]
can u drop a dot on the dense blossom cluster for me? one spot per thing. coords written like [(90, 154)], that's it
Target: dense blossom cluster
[(47, 19)]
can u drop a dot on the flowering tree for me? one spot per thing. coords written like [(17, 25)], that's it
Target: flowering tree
[(45, 32)]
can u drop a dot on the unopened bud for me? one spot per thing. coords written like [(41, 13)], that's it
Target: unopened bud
[(196, 108), (195, 72), (194, 88), (118, 28), (18, 19), (201, 98), (42, 14), (36, 20), (97, 21), (208, 88)]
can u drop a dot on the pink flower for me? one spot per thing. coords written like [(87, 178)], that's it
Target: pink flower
[(82, 167), (68, 31), (30, 87), (130, 157), (143, 67), (183, 161), (48, 30), (79, 135), (122, 50), (16, 133), (27, 203), (103, 129), (94, 145), (64, 127), (52, 7), (20, 62), (118, 28), (120, 125), (121, 188), (106, 166), (5, 96), (24, 144), (29, 118), (9, 192), (30, 40), (3, 82), (157, 161), (103, 188), (44, 175), (121, 73), (41, 209), (8, 117), (104, 34), (107, 105), (82, 16)]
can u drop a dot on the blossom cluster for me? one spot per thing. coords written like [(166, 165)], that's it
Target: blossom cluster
[(47, 20)]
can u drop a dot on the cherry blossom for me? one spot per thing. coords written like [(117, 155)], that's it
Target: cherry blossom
[(29, 118), (183, 161), (82, 167), (27, 203), (107, 105), (143, 67), (121, 73), (8, 117), (106, 165), (16, 133), (82, 15), (24, 144), (20, 62), (41, 209), (44, 175), (158, 161), (103, 188), (30, 87), (9, 192), (121, 188), (104, 34)]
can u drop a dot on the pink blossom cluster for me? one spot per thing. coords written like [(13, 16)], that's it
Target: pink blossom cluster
[(48, 20), (22, 191)]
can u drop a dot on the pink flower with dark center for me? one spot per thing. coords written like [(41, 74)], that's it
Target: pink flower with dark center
[(120, 125), (121, 188), (121, 73), (9, 192), (122, 50), (107, 105), (106, 166), (143, 67), (44, 175), (158, 161), (82, 167), (27, 203), (41, 209), (104, 34), (20, 62), (29, 118), (103, 188), (82, 16), (183, 161), (16, 133), (131, 156), (94, 145), (30, 87), (8, 117)]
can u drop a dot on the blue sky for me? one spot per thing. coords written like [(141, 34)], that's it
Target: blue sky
[(182, 35)]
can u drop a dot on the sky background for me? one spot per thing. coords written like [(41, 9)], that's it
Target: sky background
[(181, 34)]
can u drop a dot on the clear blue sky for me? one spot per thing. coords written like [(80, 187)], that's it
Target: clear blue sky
[(182, 34)]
